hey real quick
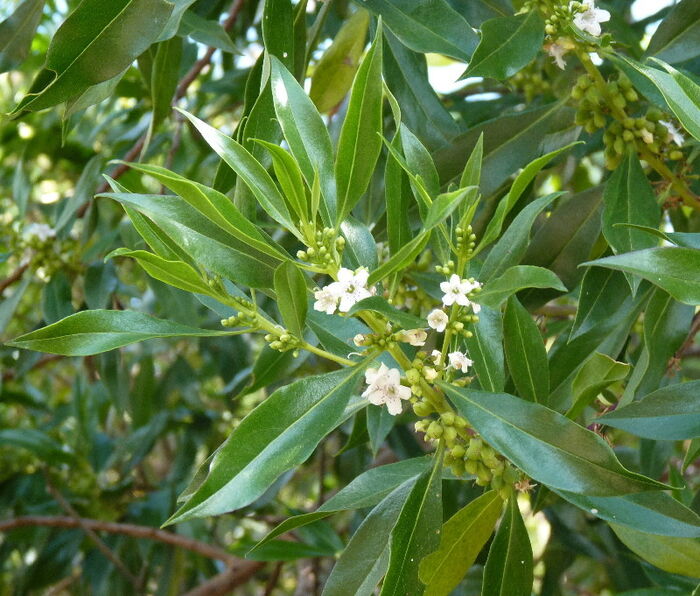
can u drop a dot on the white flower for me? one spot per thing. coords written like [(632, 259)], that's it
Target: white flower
[(384, 387), (359, 340), (476, 308), (429, 373), (459, 361), (557, 51), (326, 300), (456, 290), (438, 320), (350, 287), (38, 230), (647, 137), (415, 337), (673, 132), (436, 355), (590, 18)]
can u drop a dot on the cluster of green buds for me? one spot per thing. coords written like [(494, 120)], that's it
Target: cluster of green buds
[(387, 340), (44, 252), (241, 319), (283, 341), (446, 268), (413, 298), (423, 367), (326, 249), (594, 106), (466, 241), (530, 81)]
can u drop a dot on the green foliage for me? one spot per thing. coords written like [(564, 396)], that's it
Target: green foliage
[(376, 312)]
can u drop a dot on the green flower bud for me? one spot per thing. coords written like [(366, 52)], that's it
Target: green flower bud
[(434, 430), (471, 466), (450, 434), (413, 376), (675, 155), (422, 409), (474, 448), (448, 418), (457, 468), (458, 451)]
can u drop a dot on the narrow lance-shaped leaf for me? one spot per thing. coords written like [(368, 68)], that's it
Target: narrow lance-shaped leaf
[(546, 445), (94, 331), (290, 287), (596, 374), (360, 137), (17, 31), (278, 435), (668, 414), (416, 533), (380, 305), (486, 350), (461, 539), (96, 42), (513, 280), (525, 353), (508, 570)]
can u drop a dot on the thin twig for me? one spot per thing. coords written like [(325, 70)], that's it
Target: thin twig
[(10, 374), (15, 276), (274, 578), (227, 580), (111, 556), (686, 345), (133, 530)]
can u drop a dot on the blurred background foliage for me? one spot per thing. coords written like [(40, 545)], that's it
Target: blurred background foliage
[(117, 437)]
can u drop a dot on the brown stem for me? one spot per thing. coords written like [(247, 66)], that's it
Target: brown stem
[(223, 583), (133, 530), (10, 374), (274, 578), (686, 345), (15, 276)]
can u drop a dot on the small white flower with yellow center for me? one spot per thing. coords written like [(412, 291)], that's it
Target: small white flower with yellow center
[(41, 231), (438, 320), (415, 337), (429, 373), (456, 290), (557, 51), (384, 387), (459, 361), (673, 132), (326, 301), (589, 18), (436, 355), (350, 288)]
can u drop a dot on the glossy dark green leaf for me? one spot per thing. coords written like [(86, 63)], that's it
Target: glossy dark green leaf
[(94, 331), (398, 200), (446, 203), (17, 31), (678, 37), (97, 41), (173, 22), (547, 446), (276, 436), (427, 26), (419, 162), (379, 425), (206, 31), (675, 555), (165, 74), (366, 490), (670, 413), (525, 353), (416, 533), (672, 268), (306, 135), (57, 298), (507, 45), (629, 199), (513, 280), (602, 292), (278, 31), (292, 300), (249, 169), (335, 71), (405, 255), (290, 179), (654, 512), (366, 557), (205, 242), (84, 191), (508, 570), (100, 282), (380, 305), (511, 247), (360, 245), (360, 137), (596, 374), (486, 350), (461, 539)]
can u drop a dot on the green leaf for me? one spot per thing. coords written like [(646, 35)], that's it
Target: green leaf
[(507, 45), (290, 287), (405, 255), (360, 245), (164, 78), (380, 305), (36, 441), (335, 71), (629, 199), (278, 31), (427, 26), (206, 31), (174, 273), (364, 560), (398, 200), (306, 135), (56, 298), (513, 280), (9, 305), (675, 555), (173, 22), (248, 168), (446, 203), (677, 38), (100, 283), (205, 242), (17, 32), (654, 512), (547, 446), (597, 373), (486, 350), (518, 187), (471, 175), (511, 247), (674, 269), (97, 41), (360, 137), (461, 539), (670, 413), (525, 353), (276, 436), (508, 570), (366, 490), (94, 331), (416, 533), (84, 191)]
